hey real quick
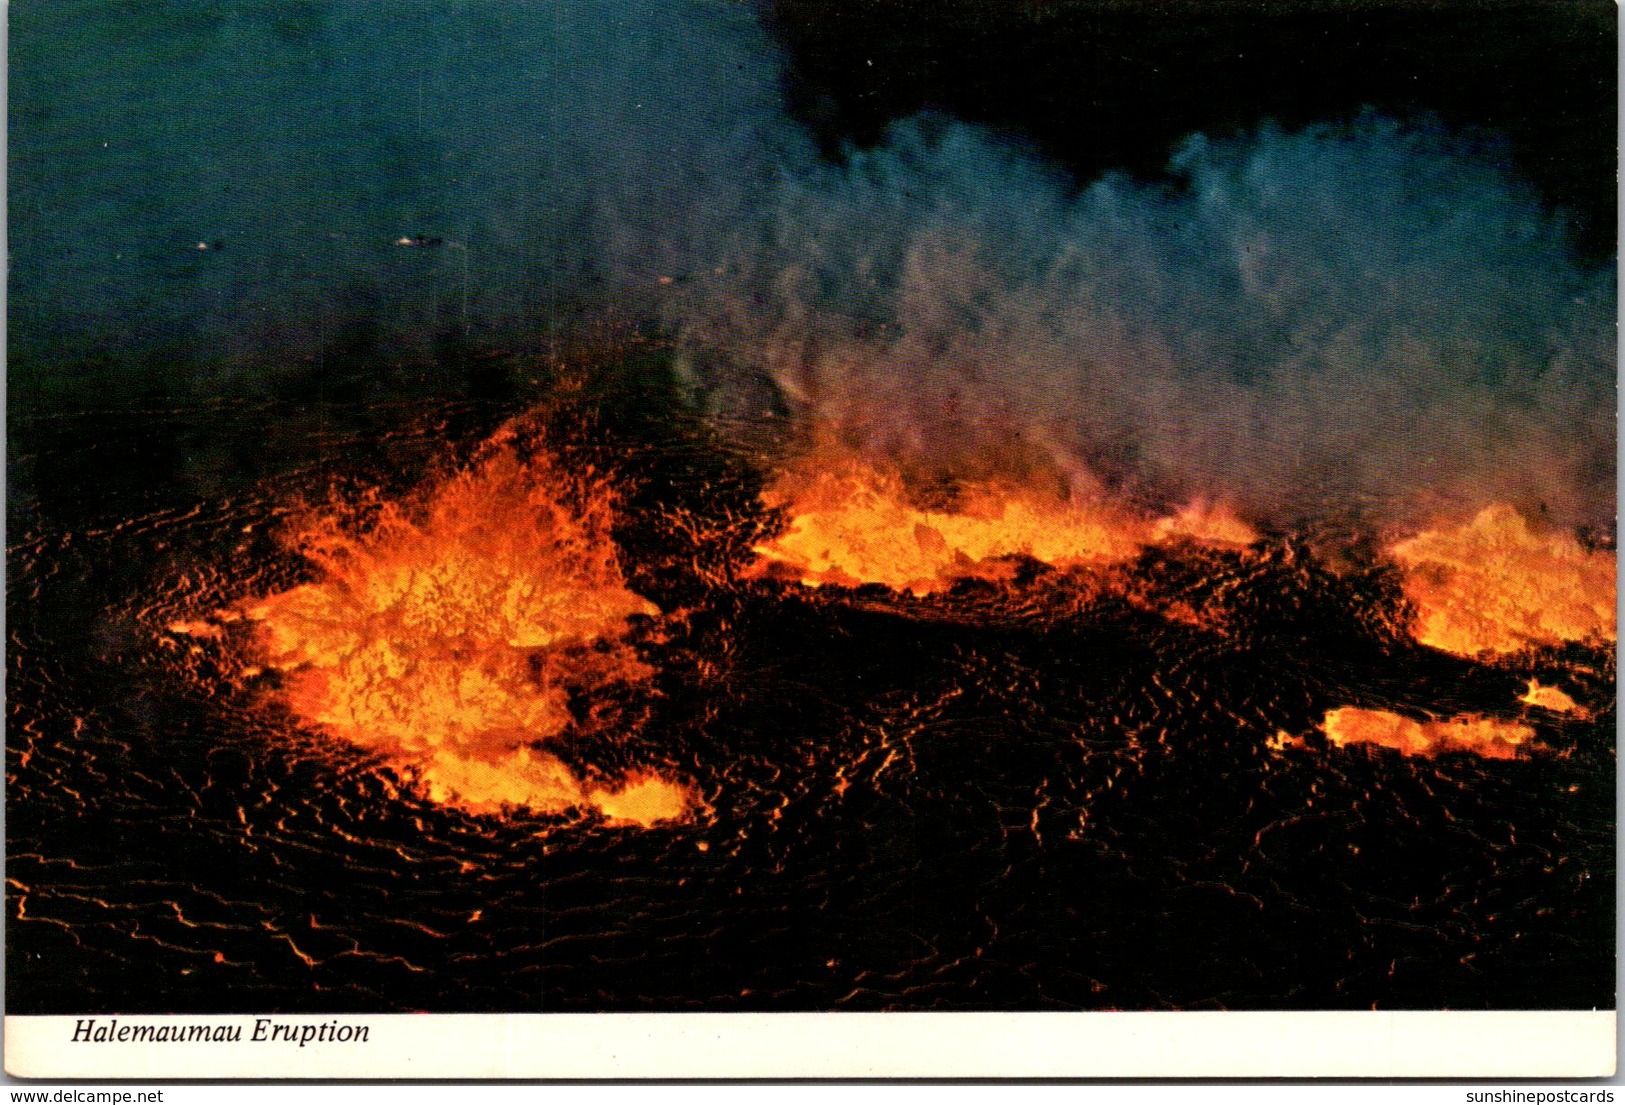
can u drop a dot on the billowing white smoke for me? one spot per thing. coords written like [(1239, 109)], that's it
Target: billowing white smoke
[(1369, 317), (1372, 316)]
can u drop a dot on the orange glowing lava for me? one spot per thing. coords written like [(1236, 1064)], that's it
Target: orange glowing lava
[(1208, 523), (455, 636), (851, 524), (1554, 699), (1488, 737), (1497, 585)]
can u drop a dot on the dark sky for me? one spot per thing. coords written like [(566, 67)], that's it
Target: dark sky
[(577, 160), (1102, 84)]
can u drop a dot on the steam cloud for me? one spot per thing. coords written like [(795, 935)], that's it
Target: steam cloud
[(1371, 316)]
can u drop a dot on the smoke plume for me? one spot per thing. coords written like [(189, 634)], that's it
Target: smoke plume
[(1368, 315)]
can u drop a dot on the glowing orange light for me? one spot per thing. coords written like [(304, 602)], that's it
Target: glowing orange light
[(1209, 523), (1488, 737), (642, 800), (457, 638), (1497, 585), (1551, 698), (852, 523)]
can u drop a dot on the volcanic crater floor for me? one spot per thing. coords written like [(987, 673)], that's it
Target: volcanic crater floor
[(1041, 793)]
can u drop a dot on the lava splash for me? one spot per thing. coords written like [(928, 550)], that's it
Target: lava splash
[(456, 635), (1496, 585), (1491, 738), (851, 522)]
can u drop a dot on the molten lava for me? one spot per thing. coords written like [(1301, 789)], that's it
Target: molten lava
[(1208, 523), (1488, 737), (851, 524), (1495, 585), (1554, 699), (457, 635)]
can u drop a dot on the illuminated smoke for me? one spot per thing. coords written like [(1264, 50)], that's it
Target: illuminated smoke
[(1370, 317)]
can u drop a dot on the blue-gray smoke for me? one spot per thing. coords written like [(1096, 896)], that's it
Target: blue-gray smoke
[(1372, 316)]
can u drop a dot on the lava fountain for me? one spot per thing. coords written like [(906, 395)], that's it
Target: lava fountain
[(1497, 585), (1492, 586), (852, 522), (456, 635)]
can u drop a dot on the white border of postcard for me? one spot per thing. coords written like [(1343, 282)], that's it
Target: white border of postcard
[(1400, 1044)]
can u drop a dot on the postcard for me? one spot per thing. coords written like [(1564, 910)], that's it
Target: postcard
[(811, 538)]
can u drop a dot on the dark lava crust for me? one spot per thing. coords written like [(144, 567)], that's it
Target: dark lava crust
[(1023, 799)]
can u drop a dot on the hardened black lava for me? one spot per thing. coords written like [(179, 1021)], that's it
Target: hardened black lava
[(1002, 798)]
